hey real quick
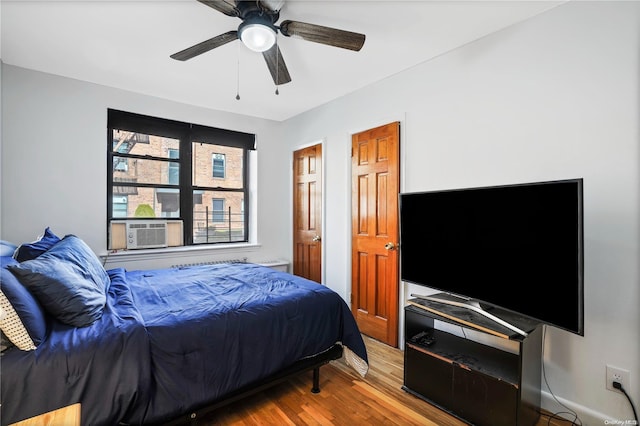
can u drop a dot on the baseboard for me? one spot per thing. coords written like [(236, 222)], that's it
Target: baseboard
[(586, 415)]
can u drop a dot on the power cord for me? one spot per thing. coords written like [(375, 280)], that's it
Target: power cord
[(558, 416), (576, 420), (463, 332), (618, 385), (106, 258)]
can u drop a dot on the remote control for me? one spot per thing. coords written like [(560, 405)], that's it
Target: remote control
[(424, 338)]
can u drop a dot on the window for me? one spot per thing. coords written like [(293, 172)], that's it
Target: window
[(218, 165), (174, 168), (160, 168), (120, 164), (120, 206), (218, 210)]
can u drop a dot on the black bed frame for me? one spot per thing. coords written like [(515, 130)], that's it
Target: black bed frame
[(312, 363)]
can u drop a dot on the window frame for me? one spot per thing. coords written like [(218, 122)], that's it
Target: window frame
[(186, 133)]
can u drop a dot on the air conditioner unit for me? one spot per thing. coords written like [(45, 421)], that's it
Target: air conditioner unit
[(146, 234)]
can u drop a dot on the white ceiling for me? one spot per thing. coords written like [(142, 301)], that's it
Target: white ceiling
[(126, 44)]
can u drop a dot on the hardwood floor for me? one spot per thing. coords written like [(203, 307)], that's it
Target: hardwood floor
[(345, 399)]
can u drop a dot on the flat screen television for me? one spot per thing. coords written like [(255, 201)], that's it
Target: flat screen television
[(518, 247)]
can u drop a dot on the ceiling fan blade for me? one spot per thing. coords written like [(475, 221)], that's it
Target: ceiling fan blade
[(276, 65), (205, 46), (272, 5), (226, 7), (325, 35)]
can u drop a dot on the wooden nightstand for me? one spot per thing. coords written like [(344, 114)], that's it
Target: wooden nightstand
[(65, 416)]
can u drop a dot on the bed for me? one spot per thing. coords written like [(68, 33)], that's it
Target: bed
[(168, 343)]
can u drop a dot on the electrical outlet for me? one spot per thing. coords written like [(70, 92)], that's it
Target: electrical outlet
[(620, 375)]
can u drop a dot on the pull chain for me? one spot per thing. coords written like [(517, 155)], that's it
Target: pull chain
[(277, 65), (238, 76)]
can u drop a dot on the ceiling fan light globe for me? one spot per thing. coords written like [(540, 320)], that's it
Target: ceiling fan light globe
[(258, 37)]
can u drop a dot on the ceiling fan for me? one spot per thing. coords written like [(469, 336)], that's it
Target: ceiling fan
[(258, 32)]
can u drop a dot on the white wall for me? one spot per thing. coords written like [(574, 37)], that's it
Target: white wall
[(54, 168), (552, 98), (1, 64)]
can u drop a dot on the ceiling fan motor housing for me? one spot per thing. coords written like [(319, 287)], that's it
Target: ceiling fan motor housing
[(252, 9)]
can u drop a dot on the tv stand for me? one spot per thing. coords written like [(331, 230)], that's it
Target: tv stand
[(482, 384), (473, 305)]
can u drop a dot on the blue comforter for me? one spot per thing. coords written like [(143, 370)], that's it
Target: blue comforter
[(173, 340)]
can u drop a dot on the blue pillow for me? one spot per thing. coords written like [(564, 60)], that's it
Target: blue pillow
[(7, 248), (68, 280), (25, 323), (28, 251), (7, 260)]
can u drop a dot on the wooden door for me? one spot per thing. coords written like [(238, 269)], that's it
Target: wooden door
[(375, 181), (307, 213)]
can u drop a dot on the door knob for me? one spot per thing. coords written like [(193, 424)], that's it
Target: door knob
[(389, 246), (316, 238)]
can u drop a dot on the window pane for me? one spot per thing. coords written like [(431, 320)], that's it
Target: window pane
[(142, 170), (217, 166), (135, 201), (120, 206), (126, 142), (218, 217)]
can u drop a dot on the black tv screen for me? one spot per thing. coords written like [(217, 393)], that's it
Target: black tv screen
[(518, 247)]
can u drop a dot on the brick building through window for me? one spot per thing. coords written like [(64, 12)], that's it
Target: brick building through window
[(165, 169)]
